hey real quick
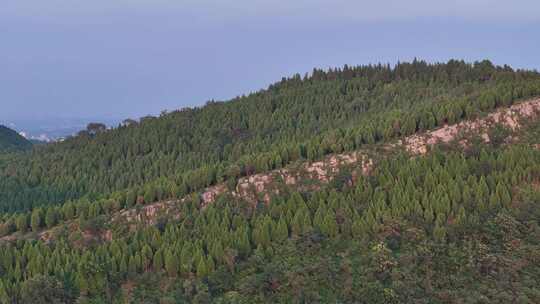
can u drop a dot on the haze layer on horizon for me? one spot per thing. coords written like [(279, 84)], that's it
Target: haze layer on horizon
[(129, 58)]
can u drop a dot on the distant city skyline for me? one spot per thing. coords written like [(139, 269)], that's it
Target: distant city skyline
[(127, 59)]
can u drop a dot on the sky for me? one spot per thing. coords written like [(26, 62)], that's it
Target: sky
[(105, 59)]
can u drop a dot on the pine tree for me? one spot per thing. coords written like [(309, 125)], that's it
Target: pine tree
[(494, 201), (202, 269), (157, 261), (504, 195), (36, 221), (69, 211), (146, 257), (132, 266), (123, 267), (461, 217), (330, 227), (298, 223), (50, 217), (22, 223), (307, 226), (171, 263), (281, 233), (439, 233), (211, 265)]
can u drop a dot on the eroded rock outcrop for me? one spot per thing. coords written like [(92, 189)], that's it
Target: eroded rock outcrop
[(309, 176), (510, 117), (265, 184), (147, 213), (211, 193)]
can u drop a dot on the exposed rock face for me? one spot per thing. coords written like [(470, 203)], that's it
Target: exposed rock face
[(321, 171), (147, 213), (261, 186), (87, 235), (248, 187), (509, 117), (324, 171), (211, 193), (45, 236)]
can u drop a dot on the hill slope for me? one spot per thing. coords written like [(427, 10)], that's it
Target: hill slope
[(10, 140), (297, 118), (459, 223), (398, 199)]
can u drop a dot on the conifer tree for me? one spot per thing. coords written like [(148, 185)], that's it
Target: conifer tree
[(171, 263), (50, 217), (202, 268), (36, 220), (22, 222), (157, 261), (282, 232)]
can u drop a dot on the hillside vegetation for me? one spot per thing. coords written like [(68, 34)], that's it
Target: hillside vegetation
[(333, 188), (10, 140), (296, 118)]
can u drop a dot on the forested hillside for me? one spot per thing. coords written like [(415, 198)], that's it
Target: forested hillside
[(298, 117), (12, 141), (457, 221)]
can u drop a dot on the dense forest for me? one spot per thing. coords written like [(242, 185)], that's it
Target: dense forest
[(298, 117), (456, 225), (12, 141)]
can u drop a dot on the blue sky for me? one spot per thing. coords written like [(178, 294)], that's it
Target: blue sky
[(128, 58)]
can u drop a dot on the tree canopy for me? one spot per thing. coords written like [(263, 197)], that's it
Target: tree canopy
[(456, 225), (299, 117)]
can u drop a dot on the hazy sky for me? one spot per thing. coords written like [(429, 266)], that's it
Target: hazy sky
[(128, 58)]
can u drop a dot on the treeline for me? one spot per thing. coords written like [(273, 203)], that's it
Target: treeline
[(400, 235), (297, 118)]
